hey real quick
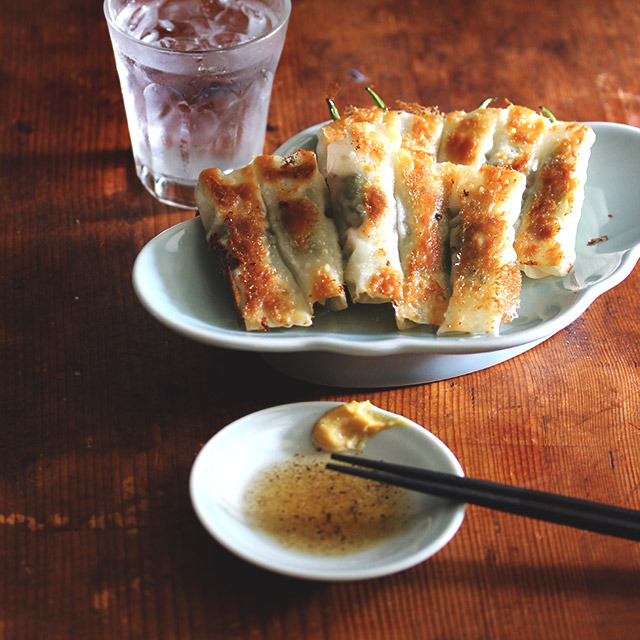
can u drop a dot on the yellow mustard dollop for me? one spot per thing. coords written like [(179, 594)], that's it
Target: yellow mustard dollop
[(348, 426)]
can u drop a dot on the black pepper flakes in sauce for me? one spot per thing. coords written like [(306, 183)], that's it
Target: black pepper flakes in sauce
[(307, 507)]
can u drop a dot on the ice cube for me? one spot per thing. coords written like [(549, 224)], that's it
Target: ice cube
[(139, 20), (235, 18), (205, 123), (214, 111), (179, 10), (258, 21), (167, 25), (150, 37), (190, 25), (231, 20), (165, 120)]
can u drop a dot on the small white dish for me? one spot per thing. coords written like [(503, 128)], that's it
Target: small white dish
[(225, 466), (176, 279)]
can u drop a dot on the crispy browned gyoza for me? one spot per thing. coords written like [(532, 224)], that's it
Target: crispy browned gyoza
[(268, 223), (436, 214)]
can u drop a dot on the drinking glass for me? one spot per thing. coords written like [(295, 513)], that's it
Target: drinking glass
[(196, 79)]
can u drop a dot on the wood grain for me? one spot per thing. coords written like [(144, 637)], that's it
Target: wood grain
[(102, 410)]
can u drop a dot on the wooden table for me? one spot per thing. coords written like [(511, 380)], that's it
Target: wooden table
[(103, 410)]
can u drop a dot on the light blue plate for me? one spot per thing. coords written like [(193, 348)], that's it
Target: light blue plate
[(177, 281)]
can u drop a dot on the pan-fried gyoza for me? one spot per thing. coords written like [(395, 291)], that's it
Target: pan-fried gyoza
[(436, 214), (423, 189), (297, 201), (485, 278), (552, 155), (276, 245), (552, 206), (360, 176)]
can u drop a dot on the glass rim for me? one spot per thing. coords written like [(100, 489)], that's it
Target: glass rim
[(263, 36)]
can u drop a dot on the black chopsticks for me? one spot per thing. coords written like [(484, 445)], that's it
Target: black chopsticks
[(573, 512)]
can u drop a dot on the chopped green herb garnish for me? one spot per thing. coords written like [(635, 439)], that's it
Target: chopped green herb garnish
[(376, 98), (333, 109), (548, 114), (485, 103)]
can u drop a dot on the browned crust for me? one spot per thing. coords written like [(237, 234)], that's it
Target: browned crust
[(426, 259), (298, 218), (226, 268), (371, 146), (417, 109), (375, 204), (257, 288), (526, 128), (463, 140), (386, 283), (482, 239), (425, 133), (325, 287), (299, 215), (536, 244), (337, 129), (298, 168)]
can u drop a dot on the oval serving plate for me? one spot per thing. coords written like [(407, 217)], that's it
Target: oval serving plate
[(176, 279), (218, 483)]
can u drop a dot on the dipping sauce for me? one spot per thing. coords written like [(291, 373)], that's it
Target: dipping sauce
[(312, 509)]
